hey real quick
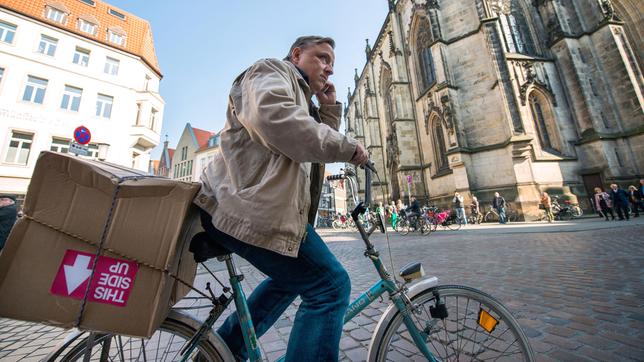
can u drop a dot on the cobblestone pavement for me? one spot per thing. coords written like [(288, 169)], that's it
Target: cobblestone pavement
[(577, 288)]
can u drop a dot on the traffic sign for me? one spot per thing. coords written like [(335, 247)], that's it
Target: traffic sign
[(77, 149), (111, 284), (82, 135), (409, 179)]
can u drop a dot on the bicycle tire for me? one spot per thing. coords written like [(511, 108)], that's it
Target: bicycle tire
[(577, 211), (402, 227), (454, 224), (565, 215), (490, 217), (425, 227), (458, 337), (337, 225), (176, 325)]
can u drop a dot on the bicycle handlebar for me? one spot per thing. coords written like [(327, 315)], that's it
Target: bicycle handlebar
[(350, 175)]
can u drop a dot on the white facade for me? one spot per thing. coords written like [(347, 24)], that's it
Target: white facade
[(205, 155), (130, 127)]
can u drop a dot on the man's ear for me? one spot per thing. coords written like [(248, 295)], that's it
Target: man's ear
[(295, 55)]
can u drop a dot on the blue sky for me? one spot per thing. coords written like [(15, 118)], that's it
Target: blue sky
[(203, 45)]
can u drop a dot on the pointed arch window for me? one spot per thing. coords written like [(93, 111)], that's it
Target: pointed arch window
[(424, 38), (516, 31), (544, 121), (440, 150), (385, 81)]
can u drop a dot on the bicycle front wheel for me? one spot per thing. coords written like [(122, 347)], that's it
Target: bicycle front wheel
[(402, 227), (165, 345), (491, 217), (454, 224), (477, 328)]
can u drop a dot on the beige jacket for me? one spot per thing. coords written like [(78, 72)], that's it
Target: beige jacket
[(257, 189)]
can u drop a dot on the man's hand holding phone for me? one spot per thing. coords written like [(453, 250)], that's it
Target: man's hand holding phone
[(327, 94)]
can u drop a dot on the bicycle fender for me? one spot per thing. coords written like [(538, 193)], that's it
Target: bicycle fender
[(390, 312)]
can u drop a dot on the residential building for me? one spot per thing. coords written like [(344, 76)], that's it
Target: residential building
[(206, 154), (165, 161), (67, 63), (183, 160), (509, 96)]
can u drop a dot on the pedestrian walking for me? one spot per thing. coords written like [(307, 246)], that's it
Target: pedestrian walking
[(459, 206), (498, 203), (475, 210), (619, 197), (603, 203), (547, 206), (8, 216), (394, 214), (635, 198)]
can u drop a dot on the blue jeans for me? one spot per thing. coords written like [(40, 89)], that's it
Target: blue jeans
[(460, 213), (315, 275), (502, 218)]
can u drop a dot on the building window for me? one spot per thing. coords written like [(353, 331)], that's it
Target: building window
[(138, 114), (544, 122), (47, 45), (60, 145), (71, 98), (111, 66), (117, 14), (88, 2), (81, 57), (146, 84), (516, 31), (87, 27), (35, 90), (104, 105), (424, 39), (19, 148), (56, 15), (7, 32), (153, 118), (440, 150), (1, 74), (184, 153), (115, 38)]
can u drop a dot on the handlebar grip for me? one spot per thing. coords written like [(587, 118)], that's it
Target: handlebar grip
[(335, 177)]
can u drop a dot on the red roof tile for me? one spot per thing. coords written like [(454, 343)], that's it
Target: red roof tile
[(202, 136), (138, 33)]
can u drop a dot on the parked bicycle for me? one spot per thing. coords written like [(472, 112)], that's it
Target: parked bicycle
[(566, 210), (446, 219), (343, 222), (424, 321)]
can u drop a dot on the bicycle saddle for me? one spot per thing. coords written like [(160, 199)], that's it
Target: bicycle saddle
[(204, 248)]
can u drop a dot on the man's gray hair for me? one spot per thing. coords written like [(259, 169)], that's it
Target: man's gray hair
[(304, 42)]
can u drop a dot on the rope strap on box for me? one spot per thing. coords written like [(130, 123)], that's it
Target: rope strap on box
[(100, 248)]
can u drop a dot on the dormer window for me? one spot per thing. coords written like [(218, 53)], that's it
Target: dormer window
[(117, 14), (87, 27), (116, 37), (56, 15), (89, 2)]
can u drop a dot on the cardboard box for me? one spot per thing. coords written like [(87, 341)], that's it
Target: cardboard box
[(45, 272)]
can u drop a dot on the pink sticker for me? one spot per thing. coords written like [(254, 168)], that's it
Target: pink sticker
[(112, 282)]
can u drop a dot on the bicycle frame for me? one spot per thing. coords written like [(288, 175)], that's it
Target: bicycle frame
[(385, 284)]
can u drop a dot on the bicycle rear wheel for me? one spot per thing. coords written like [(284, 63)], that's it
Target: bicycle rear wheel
[(425, 227), (477, 327), (491, 217), (454, 224), (165, 345)]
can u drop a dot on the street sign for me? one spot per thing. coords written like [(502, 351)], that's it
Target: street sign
[(78, 150), (82, 135), (409, 179), (111, 284)]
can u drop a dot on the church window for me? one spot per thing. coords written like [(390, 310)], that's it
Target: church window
[(424, 38), (516, 31), (440, 150), (546, 127)]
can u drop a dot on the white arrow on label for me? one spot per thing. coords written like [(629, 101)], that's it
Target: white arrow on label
[(76, 274)]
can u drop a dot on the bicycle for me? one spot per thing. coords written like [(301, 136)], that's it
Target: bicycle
[(424, 320), (493, 215), (405, 224)]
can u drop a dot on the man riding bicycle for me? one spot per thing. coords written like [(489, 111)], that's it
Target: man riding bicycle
[(273, 150)]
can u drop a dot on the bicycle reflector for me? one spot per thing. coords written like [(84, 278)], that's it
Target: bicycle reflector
[(486, 321)]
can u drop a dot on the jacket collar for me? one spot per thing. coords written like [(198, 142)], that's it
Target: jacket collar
[(302, 79)]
